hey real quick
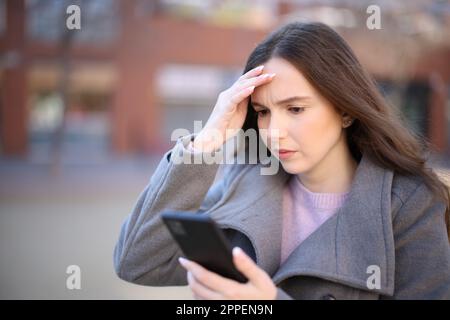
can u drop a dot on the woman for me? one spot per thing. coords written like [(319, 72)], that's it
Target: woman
[(352, 214)]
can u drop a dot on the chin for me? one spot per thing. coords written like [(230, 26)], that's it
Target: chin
[(295, 167)]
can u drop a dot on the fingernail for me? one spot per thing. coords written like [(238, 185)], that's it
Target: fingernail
[(260, 67), (182, 261), (237, 251)]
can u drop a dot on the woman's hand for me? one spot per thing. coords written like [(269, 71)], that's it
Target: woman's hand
[(211, 286), (229, 113)]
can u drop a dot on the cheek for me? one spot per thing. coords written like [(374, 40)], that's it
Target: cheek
[(262, 127), (263, 122), (315, 131)]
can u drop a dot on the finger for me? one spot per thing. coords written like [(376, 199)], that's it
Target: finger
[(242, 94), (209, 279), (255, 81), (196, 297), (248, 267), (200, 291), (253, 72)]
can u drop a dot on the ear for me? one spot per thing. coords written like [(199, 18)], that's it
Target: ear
[(347, 120)]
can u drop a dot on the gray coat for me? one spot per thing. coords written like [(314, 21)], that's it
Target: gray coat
[(388, 221)]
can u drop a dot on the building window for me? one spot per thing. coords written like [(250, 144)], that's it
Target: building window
[(46, 20), (2, 17)]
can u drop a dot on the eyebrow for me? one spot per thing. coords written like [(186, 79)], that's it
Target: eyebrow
[(287, 100)]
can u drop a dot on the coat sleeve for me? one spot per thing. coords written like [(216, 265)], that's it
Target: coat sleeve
[(145, 252), (422, 250), (282, 295)]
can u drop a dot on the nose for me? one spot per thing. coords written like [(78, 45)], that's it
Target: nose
[(276, 130)]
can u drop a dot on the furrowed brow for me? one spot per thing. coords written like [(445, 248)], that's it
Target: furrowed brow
[(284, 101)]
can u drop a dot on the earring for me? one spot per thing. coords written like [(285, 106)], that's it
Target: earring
[(348, 122)]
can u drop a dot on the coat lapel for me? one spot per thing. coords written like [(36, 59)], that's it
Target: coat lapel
[(359, 235), (253, 207)]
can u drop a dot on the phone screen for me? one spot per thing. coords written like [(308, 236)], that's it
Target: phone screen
[(202, 241)]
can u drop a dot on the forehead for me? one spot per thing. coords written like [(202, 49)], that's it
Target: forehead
[(288, 82)]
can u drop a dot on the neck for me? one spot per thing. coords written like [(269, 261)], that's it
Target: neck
[(334, 173)]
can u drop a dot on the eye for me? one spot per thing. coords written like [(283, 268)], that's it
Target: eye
[(261, 113), (297, 109)]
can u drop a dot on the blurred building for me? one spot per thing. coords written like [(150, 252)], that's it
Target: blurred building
[(138, 69)]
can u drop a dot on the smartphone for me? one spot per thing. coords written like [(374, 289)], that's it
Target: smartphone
[(201, 240)]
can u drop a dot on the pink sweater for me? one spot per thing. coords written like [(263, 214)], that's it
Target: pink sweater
[(303, 212)]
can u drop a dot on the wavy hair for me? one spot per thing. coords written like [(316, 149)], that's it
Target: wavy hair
[(330, 65)]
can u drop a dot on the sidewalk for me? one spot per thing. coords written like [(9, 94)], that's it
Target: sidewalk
[(48, 223)]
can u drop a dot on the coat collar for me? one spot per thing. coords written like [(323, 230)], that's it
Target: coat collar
[(341, 249)]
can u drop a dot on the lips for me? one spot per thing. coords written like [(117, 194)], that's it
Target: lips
[(284, 153)]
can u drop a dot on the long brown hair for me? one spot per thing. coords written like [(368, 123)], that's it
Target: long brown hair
[(330, 65)]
